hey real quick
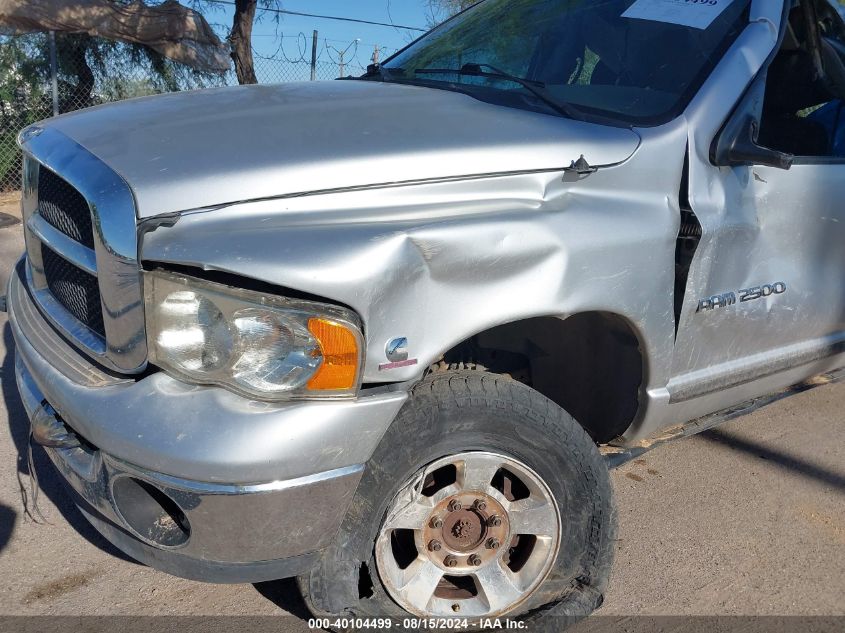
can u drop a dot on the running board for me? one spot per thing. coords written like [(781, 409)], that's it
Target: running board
[(617, 455)]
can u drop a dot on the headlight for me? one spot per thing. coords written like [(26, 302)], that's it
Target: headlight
[(264, 346)]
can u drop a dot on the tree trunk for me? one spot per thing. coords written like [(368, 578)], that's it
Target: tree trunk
[(241, 40), (74, 48)]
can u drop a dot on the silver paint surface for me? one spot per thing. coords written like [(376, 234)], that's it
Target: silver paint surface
[(440, 261), (437, 217), (190, 150), (207, 433), (228, 523)]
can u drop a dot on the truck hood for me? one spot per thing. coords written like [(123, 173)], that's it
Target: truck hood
[(215, 147)]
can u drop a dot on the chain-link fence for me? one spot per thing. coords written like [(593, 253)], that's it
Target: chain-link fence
[(42, 75)]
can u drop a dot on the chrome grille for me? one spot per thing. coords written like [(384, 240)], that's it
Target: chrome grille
[(64, 208), (82, 251), (75, 289)]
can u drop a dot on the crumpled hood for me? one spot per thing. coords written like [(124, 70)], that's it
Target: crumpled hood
[(192, 150)]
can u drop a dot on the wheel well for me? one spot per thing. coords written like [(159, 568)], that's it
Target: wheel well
[(590, 364)]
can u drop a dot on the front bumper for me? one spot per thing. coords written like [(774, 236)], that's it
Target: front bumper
[(195, 481)]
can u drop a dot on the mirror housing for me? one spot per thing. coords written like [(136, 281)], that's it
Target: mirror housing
[(738, 145)]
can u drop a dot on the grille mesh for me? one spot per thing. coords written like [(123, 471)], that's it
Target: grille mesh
[(64, 207), (75, 289)]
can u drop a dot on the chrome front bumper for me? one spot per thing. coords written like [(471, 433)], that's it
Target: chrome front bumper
[(195, 481)]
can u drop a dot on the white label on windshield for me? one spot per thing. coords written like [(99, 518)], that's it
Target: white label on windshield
[(698, 14)]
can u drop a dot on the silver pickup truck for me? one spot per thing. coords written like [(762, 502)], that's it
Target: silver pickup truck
[(378, 333)]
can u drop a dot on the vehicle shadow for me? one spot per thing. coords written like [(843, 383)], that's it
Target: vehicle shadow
[(285, 595), (777, 458), (8, 518), (48, 480)]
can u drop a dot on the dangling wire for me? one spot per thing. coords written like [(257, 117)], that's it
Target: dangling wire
[(29, 493)]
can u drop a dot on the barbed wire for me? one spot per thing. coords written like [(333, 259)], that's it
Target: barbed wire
[(302, 52), (325, 17), (281, 52), (341, 54)]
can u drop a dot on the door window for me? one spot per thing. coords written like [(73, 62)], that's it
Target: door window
[(804, 106)]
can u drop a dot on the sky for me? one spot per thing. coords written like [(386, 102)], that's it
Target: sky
[(334, 36)]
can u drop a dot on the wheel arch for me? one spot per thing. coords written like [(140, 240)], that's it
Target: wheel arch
[(592, 363)]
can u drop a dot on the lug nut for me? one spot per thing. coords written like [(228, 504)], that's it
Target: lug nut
[(493, 543), (475, 560), (450, 561), (434, 546), (454, 505), (480, 505), (494, 521), (436, 523)]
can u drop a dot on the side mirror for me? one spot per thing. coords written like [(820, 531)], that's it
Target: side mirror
[(738, 146)]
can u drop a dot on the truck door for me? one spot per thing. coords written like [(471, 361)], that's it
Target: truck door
[(766, 289)]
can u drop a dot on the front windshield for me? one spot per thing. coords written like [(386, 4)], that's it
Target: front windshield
[(594, 57)]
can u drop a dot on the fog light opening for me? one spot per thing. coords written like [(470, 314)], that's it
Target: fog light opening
[(149, 513)]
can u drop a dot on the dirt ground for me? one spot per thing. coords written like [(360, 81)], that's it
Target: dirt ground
[(10, 203), (745, 519)]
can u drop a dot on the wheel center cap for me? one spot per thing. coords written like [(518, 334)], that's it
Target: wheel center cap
[(463, 530)]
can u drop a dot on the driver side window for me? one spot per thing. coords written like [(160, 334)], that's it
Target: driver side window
[(804, 106)]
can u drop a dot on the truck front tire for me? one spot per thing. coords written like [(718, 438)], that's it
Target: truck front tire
[(484, 499)]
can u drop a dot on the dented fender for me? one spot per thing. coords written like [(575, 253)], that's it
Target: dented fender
[(438, 262)]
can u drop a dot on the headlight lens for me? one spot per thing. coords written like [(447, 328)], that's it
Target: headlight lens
[(261, 345)]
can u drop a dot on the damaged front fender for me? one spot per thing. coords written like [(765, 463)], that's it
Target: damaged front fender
[(438, 262)]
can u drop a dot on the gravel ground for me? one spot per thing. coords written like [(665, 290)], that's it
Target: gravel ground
[(746, 519)]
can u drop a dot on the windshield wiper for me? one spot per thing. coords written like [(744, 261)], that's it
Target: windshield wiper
[(537, 88)]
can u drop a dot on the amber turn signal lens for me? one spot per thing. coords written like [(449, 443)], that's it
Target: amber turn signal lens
[(340, 356)]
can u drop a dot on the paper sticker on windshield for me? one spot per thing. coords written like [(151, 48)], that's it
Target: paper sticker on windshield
[(698, 14)]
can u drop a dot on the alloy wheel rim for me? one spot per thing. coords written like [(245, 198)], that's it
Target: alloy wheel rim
[(470, 535)]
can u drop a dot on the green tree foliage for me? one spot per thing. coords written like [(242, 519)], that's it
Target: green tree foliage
[(495, 35), (90, 71), (22, 97), (439, 10)]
